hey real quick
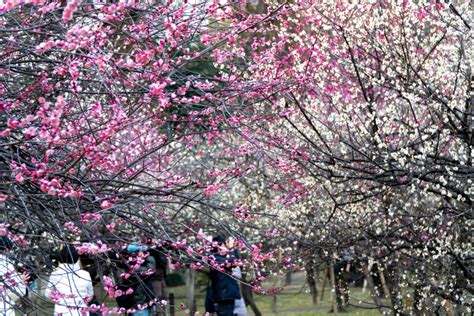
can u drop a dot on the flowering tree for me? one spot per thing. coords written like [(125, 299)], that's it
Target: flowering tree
[(350, 124), (368, 129), (111, 114)]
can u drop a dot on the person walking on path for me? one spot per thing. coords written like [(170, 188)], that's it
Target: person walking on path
[(12, 286), (69, 286)]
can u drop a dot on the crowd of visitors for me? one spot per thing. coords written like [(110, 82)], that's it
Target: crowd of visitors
[(138, 272)]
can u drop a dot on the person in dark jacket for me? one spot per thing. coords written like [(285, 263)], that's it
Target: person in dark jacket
[(139, 282), (123, 284), (158, 278), (223, 290)]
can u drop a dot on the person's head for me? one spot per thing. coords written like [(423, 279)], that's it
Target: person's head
[(5, 244), (68, 254), (230, 242), (219, 240)]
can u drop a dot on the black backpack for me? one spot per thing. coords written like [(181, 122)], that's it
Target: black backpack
[(126, 300)]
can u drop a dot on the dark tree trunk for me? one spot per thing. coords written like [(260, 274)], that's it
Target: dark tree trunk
[(310, 278), (395, 291), (373, 290), (248, 297), (288, 278)]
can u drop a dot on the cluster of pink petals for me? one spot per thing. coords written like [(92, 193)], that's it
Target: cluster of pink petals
[(69, 10), (93, 248)]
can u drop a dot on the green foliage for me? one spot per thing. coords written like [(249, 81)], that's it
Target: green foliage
[(174, 280)]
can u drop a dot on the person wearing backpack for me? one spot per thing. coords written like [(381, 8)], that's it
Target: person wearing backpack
[(138, 282), (223, 291), (125, 300)]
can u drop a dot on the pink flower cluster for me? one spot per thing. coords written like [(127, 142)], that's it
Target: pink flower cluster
[(112, 290), (4, 229), (86, 217), (257, 256), (93, 248), (70, 8)]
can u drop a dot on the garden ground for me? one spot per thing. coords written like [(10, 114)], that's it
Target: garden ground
[(295, 299)]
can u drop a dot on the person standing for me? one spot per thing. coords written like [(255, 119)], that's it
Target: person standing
[(69, 286), (157, 279), (141, 277), (12, 286), (223, 290)]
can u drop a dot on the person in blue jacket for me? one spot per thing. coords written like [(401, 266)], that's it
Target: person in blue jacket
[(222, 290)]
